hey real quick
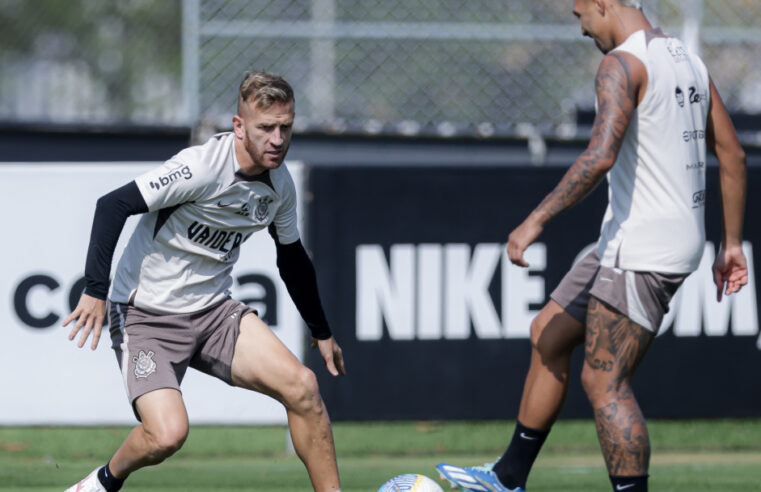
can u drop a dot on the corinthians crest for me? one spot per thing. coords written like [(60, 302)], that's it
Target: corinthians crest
[(262, 210), (144, 364)]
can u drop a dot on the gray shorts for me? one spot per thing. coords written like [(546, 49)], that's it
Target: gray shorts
[(643, 297), (155, 350)]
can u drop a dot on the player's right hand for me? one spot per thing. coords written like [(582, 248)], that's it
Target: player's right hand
[(89, 313), (521, 238)]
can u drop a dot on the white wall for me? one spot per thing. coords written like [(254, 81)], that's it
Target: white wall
[(45, 379)]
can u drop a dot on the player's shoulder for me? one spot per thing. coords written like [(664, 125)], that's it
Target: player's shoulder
[(629, 59), (633, 51), (636, 42), (215, 148), (282, 179), (636, 46), (621, 65), (208, 158)]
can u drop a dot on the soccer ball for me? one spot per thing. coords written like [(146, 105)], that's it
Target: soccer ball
[(412, 482)]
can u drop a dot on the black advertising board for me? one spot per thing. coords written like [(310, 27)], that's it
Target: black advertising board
[(434, 321)]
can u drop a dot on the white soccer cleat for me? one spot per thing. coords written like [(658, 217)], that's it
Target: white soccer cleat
[(88, 484)]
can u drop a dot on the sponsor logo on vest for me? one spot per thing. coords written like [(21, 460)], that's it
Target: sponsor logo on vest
[(171, 176), (245, 210), (215, 238), (679, 96), (677, 51), (443, 292), (698, 198), (695, 166), (693, 135), (695, 96)]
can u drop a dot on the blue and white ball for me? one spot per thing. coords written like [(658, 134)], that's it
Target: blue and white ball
[(412, 482)]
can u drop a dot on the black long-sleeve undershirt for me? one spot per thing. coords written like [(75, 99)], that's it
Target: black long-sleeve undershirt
[(111, 212), (298, 274)]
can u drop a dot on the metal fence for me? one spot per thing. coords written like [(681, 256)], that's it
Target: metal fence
[(435, 67)]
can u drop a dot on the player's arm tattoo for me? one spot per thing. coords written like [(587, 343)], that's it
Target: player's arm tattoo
[(616, 99)]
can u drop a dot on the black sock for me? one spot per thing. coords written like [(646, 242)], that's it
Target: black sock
[(513, 468), (110, 482), (629, 484)]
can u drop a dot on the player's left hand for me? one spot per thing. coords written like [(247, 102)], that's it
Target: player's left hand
[(332, 355), (730, 270)]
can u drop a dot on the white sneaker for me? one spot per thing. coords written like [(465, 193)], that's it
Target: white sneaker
[(88, 484)]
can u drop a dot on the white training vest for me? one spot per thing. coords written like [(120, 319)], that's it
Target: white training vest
[(201, 209), (654, 220)]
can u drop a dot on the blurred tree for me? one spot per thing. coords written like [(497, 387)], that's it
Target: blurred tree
[(130, 50)]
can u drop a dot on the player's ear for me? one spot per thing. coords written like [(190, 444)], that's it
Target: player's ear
[(601, 6), (238, 127)]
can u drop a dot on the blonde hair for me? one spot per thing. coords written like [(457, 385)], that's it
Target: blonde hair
[(264, 89)]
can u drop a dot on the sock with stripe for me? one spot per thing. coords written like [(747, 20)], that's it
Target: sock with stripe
[(514, 466), (109, 482)]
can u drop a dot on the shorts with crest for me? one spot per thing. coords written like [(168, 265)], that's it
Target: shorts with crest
[(155, 350)]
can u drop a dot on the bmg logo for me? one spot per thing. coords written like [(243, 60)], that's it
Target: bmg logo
[(172, 176), (698, 198)]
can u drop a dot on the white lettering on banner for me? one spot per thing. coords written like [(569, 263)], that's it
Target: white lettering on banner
[(429, 291), (467, 291), (34, 296), (520, 289), (452, 291), (434, 291), (384, 292)]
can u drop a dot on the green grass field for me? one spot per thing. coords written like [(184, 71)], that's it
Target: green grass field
[(693, 456)]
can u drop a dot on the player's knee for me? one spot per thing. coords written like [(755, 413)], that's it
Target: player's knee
[(550, 344), (597, 384), (305, 394), (537, 328), (166, 439)]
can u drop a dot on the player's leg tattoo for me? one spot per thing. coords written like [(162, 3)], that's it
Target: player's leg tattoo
[(614, 348)]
